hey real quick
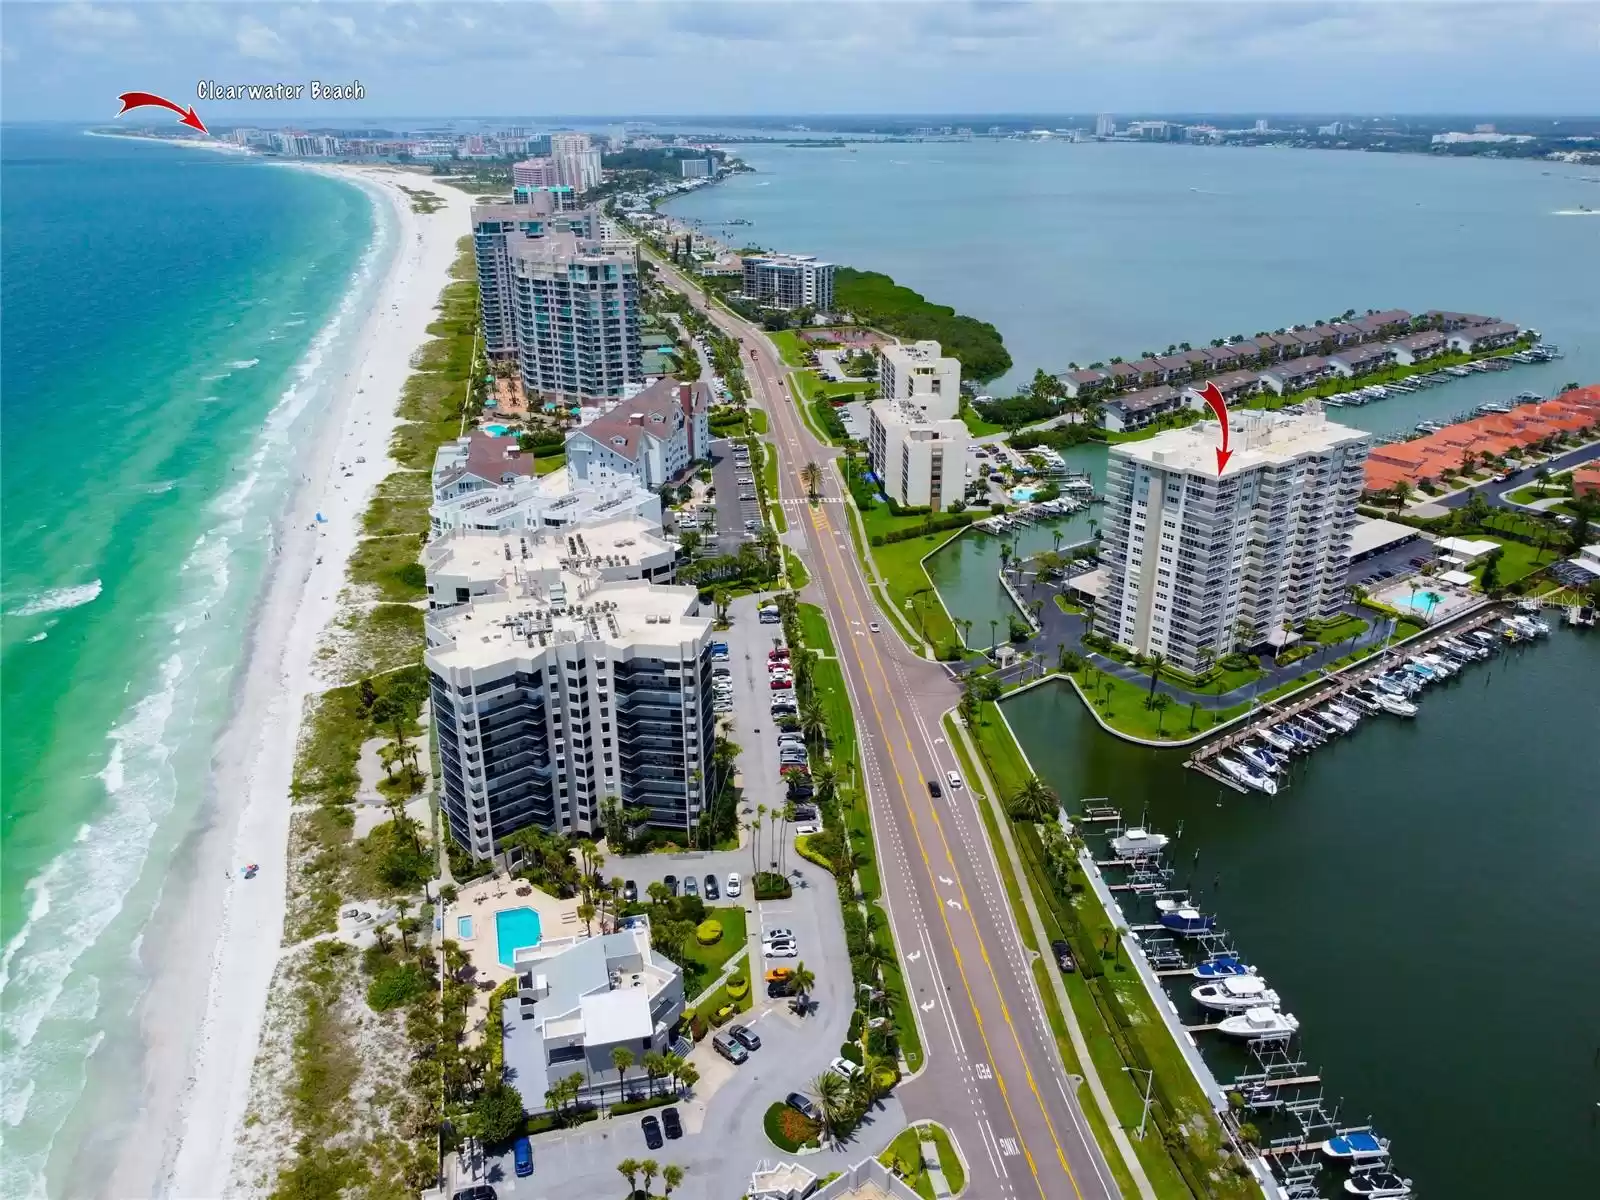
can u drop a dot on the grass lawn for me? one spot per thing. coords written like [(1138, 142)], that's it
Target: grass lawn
[(1122, 705), (769, 496), (758, 420), (1346, 626), (702, 963), (906, 1152), (828, 686), (720, 999), (790, 348), (910, 590), (977, 426), (814, 628), (549, 463), (1519, 560), (797, 570)]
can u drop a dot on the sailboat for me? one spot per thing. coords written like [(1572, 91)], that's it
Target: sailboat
[(1248, 775)]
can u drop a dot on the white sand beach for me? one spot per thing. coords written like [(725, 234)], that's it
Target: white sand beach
[(216, 941)]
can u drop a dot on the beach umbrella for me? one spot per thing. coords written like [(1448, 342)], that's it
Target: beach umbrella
[(322, 518)]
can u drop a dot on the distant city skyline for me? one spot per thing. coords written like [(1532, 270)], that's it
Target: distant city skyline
[(69, 61)]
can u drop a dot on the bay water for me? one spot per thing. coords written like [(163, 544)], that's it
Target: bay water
[(173, 318)]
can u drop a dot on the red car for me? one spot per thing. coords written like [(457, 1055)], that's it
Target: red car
[(781, 684), (777, 656)]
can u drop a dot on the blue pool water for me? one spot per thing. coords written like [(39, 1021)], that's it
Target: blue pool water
[(1422, 602), (514, 929), (1023, 494), (496, 430), (464, 927)]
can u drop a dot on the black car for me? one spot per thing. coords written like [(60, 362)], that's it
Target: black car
[(482, 1192), (671, 884), (674, 1126), (712, 892), (1063, 954), (652, 1133), (803, 1104), (778, 987), (934, 789), (745, 1036), (630, 892)]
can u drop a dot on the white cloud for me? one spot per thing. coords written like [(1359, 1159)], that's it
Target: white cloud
[(257, 41)]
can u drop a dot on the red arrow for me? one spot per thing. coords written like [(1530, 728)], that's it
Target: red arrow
[(1212, 395), (132, 100)]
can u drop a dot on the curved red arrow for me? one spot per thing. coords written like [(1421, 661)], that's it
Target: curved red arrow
[(132, 100), (1212, 395)]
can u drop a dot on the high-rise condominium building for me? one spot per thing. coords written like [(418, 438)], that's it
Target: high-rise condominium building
[(1105, 125), (788, 281), (577, 316), (916, 443), (560, 676), (577, 160), (495, 227), (1198, 564), (535, 172)]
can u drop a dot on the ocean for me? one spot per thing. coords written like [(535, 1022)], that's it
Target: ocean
[(1078, 252), (172, 319)]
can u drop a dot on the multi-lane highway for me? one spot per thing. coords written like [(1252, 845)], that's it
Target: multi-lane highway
[(993, 1074)]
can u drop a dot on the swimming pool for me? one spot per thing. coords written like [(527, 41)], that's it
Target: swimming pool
[(496, 430), (463, 927), (1422, 602), (514, 929), (1023, 494)]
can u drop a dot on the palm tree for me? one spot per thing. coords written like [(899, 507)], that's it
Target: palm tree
[(1156, 660), (658, 893), (586, 912), (829, 1091), (621, 1059), (688, 1076), (649, 1169), (672, 1066), (1160, 703), (671, 1177), (811, 476), (966, 630), (813, 722), (403, 906), (629, 1167), (802, 981), (655, 1066), (754, 830), (994, 626), (1035, 801)]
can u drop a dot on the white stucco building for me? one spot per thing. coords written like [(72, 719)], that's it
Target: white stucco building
[(916, 444), (652, 438), (1196, 561)]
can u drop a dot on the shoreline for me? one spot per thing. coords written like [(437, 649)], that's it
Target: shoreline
[(215, 940), (215, 145)]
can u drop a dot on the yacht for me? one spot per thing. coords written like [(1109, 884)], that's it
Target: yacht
[(1260, 758), (1380, 1184), (1336, 718), (1357, 1146), (1185, 919), (1388, 686), (1235, 994), (1138, 843), (1278, 740), (1248, 775), (1320, 725), (1440, 664), (1223, 966), (1349, 712), (1303, 738), (1396, 705), (1256, 1024)]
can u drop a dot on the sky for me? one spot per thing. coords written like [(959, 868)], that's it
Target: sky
[(667, 57)]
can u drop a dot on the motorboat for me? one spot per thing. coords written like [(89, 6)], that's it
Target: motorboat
[(1260, 758), (1223, 966), (1318, 723), (1421, 670), (1278, 739), (1347, 711), (1303, 738), (1356, 1146), (1338, 719), (1188, 921), (1397, 705), (1235, 994), (1380, 1185), (1136, 842), (1258, 1024), (1365, 701), (1248, 775), (1388, 686), (1440, 664)]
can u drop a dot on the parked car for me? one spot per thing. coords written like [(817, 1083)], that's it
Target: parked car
[(745, 1036), (778, 935), (672, 1123), (777, 973), (481, 1192), (779, 685), (711, 891), (729, 1049), (652, 1133), (844, 1068), (777, 988), (671, 883), (934, 789), (1063, 954), (734, 886), (804, 1105), (522, 1156), (630, 892), (690, 887), (781, 950)]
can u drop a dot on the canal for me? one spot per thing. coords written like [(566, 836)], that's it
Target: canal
[(1423, 896)]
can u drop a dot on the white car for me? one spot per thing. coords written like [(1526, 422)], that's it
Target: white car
[(844, 1068), (733, 886), (778, 935), (873, 626), (782, 950), (952, 779)]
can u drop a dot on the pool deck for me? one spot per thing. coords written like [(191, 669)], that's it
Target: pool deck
[(482, 901)]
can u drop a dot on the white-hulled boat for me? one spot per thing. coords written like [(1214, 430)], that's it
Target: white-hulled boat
[(1138, 843), (1248, 775), (1259, 758), (1255, 1024), (1348, 711), (1394, 704), (1357, 1146), (1365, 701), (1278, 741), (1337, 718), (1235, 994), (1380, 1184)]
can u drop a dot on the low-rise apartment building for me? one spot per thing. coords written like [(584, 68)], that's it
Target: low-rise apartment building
[(653, 437), (1476, 338), (556, 683), (1295, 374), (1417, 348), (1355, 361), (1199, 564), (916, 444), (1135, 410)]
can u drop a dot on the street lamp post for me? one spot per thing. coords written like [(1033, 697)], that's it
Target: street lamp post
[(1150, 1082)]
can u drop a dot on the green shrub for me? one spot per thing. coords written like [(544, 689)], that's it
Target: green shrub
[(738, 985), (708, 933), (788, 1129), (395, 987), (851, 1051), (858, 1019), (625, 1107)]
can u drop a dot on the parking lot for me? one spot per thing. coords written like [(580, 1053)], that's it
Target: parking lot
[(733, 512)]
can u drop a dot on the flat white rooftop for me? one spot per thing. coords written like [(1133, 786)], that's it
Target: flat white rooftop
[(1374, 533), (1257, 439), (622, 1015)]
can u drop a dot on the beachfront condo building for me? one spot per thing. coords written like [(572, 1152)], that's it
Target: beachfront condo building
[(1199, 565), (535, 172), (577, 316), (561, 674), (916, 444), (577, 160), (650, 440), (495, 229), (788, 281)]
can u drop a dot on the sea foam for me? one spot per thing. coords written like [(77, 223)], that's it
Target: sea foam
[(58, 599)]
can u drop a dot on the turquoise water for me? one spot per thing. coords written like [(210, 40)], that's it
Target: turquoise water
[(496, 430), (1422, 602), (464, 927), (1082, 252), (171, 318), (514, 929)]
